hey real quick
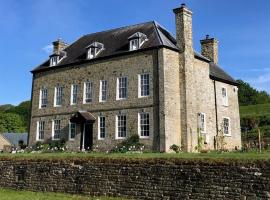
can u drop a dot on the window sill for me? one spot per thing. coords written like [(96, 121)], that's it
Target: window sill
[(101, 139), (140, 97), (121, 138), (145, 137), (40, 140), (121, 99), (55, 139), (71, 139), (227, 135), (56, 106), (225, 105)]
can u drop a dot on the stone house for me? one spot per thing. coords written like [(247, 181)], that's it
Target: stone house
[(140, 80), (9, 141)]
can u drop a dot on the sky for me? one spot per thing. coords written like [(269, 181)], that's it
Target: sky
[(28, 27)]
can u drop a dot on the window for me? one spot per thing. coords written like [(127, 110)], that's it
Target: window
[(72, 131), (58, 96), (134, 44), (144, 125), (102, 127), (88, 92), (43, 101), (226, 126), (144, 82), (40, 130), (224, 97), (56, 130), (54, 60), (74, 94), (103, 91), (202, 124), (121, 125), (94, 49), (122, 88)]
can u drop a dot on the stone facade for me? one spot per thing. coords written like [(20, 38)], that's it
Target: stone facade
[(140, 179), (180, 89)]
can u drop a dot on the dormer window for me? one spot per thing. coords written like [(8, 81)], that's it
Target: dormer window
[(54, 59), (136, 41), (94, 49)]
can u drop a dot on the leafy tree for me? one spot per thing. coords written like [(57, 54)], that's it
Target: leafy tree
[(10, 122)]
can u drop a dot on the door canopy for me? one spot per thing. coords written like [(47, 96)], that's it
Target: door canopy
[(82, 117)]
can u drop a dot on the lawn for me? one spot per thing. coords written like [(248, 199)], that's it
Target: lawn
[(255, 110), (186, 156), (7, 194)]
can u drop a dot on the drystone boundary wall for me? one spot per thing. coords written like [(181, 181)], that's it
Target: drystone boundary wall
[(140, 178)]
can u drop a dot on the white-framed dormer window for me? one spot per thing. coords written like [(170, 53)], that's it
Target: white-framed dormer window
[(144, 85), (54, 60), (202, 122), (224, 96), (136, 41), (143, 125), (88, 92), (103, 91), (121, 92), (40, 130), (43, 98), (72, 131), (56, 129), (94, 49), (74, 94), (101, 127), (226, 126), (121, 126), (58, 96)]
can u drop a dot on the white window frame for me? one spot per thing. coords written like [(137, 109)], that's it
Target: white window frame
[(134, 44), (202, 127), (118, 88), (70, 131), (117, 127), (42, 93), (54, 60), (53, 129), (141, 86), (102, 89), (90, 93), (99, 127), (72, 94), (224, 98), (229, 126), (56, 93), (139, 125), (40, 127)]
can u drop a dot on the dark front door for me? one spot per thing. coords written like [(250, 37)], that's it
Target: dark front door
[(88, 136)]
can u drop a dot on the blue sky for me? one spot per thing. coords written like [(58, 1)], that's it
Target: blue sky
[(29, 26)]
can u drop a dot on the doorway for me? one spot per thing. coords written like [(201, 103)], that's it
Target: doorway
[(87, 136)]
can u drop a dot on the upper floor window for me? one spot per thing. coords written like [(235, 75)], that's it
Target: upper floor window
[(94, 49), (58, 96), (40, 130), (72, 131), (224, 96), (103, 91), (101, 127), (54, 59), (202, 124), (56, 129), (226, 126), (144, 125), (144, 85), (121, 126), (43, 98), (121, 88), (74, 94), (136, 41), (88, 92)]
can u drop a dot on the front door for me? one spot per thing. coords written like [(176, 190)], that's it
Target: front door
[(87, 136)]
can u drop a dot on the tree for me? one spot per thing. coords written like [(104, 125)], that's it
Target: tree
[(10, 122)]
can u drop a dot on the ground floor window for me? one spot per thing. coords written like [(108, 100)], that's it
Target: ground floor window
[(72, 131), (102, 127), (226, 126), (121, 124), (144, 125), (56, 130), (40, 130)]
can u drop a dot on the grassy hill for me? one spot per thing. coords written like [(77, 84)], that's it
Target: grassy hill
[(255, 110)]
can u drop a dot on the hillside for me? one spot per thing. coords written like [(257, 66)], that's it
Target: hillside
[(255, 110)]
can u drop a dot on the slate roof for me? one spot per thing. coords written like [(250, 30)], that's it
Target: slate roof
[(14, 138), (116, 43), (217, 73)]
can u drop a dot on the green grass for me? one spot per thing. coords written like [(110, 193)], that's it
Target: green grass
[(8, 194), (184, 156), (255, 110)]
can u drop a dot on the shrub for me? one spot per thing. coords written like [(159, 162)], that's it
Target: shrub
[(132, 143), (175, 148)]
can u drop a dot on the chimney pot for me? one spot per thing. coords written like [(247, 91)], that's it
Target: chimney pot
[(207, 37), (59, 45), (183, 5)]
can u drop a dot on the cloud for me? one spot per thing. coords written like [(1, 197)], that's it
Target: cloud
[(261, 82), (48, 48)]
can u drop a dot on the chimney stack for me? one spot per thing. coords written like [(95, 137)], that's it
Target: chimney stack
[(209, 48), (58, 46)]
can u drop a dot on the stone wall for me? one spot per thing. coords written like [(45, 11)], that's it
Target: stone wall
[(141, 179)]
